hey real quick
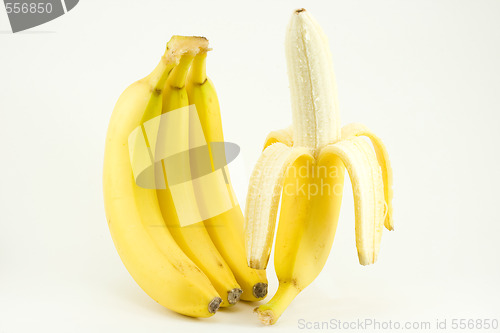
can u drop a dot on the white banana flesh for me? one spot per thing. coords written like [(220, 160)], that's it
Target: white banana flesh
[(284, 136), (356, 129), (368, 191), (261, 213), (307, 222), (313, 91)]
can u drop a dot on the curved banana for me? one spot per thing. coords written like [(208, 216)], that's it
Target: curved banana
[(226, 229), (146, 248), (306, 165), (193, 239)]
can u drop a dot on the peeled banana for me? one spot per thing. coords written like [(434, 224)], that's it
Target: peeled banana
[(305, 165)]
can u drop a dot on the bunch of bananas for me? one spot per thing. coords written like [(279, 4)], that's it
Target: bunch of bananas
[(184, 253)]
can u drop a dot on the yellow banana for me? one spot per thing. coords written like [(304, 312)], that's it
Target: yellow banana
[(285, 136), (306, 163), (144, 244), (193, 239), (226, 229)]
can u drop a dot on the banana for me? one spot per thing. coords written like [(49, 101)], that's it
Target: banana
[(193, 239), (145, 246), (226, 229), (305, 165)]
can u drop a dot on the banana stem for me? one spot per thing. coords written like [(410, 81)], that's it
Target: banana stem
[(178, 76), (156, 81), (272, 310), (198, 73), (158, 77), (176, 47)]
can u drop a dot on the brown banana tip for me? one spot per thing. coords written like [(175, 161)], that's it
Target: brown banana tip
[(300, 10), (260, 290), (233, 295), (214, 305)]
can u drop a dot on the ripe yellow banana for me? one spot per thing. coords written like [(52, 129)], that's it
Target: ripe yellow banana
[(226, 229), (285, 136), (193, 239), (305, 164), (145, 246)]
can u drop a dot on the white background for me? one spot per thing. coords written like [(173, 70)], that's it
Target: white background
[(424, 75)]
